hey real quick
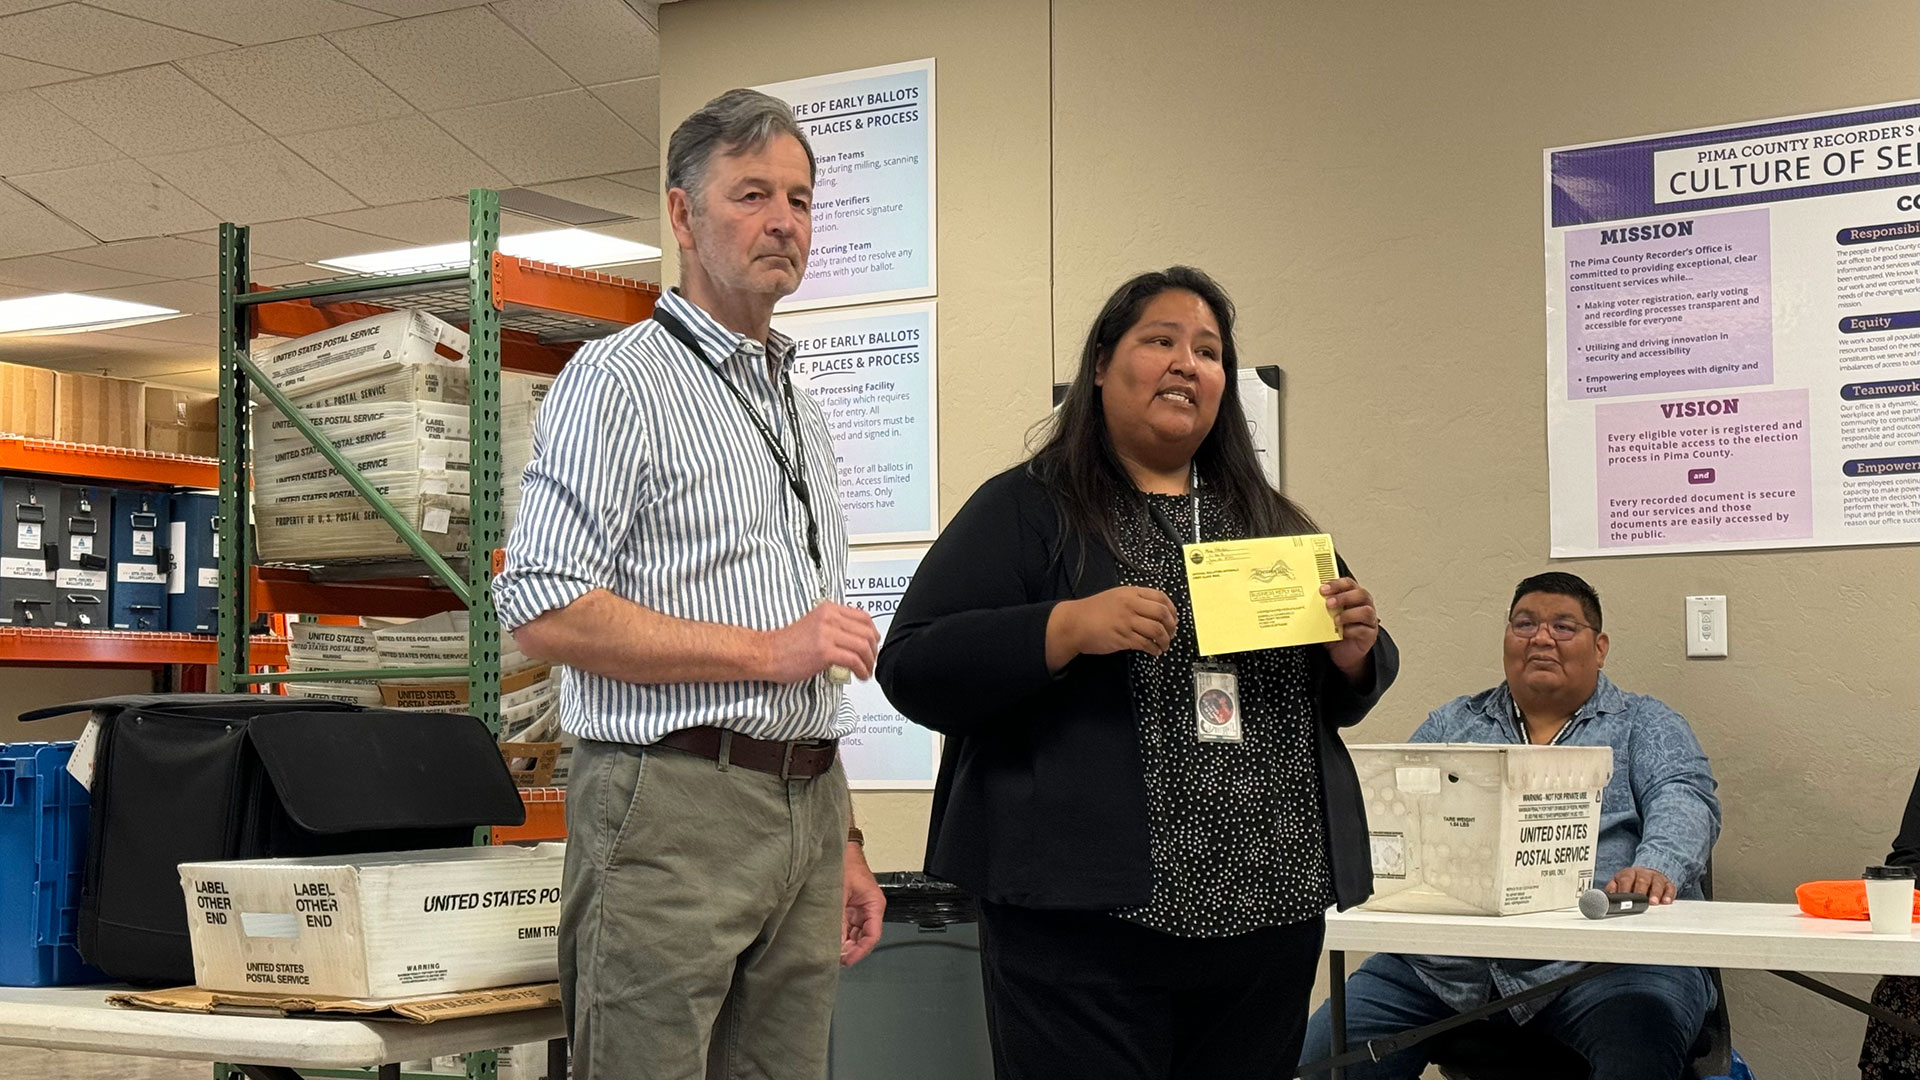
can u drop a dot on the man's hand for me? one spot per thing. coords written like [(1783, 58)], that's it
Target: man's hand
[(831, 635), (1639, 879), (1116, 620), (865, 903), (1358, 623)]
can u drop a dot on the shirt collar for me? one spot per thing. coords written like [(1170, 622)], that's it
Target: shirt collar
[(718, 341), (1607, 698)]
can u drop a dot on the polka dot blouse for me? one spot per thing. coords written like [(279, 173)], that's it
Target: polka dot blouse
[(1236, 830)]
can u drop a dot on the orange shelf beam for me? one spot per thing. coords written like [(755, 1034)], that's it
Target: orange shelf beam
[(291, 591), (114, 648), (108, 463), (568, 291)]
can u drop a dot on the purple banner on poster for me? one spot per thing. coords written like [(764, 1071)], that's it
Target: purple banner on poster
[(1679, 305), (1737, 166), (1724, 469)]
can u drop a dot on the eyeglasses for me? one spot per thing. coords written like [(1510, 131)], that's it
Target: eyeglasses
[(1524, 628)]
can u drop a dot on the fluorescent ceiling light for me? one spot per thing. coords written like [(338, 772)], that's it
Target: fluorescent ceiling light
[(562, 247), (67, 313)]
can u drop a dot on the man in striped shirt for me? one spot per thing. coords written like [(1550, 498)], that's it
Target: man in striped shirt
[(680, 548)]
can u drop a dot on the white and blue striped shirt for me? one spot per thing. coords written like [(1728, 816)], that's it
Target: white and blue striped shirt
[(648, 480)]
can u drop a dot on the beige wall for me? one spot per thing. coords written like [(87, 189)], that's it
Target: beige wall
[(1365, 179)]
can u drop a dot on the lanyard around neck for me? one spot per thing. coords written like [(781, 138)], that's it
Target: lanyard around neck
[(792, 469), (1166, 524)]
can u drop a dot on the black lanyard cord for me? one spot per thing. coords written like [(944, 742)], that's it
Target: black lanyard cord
[(794, 469)]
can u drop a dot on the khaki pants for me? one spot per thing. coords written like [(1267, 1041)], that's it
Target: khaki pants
[(700, 934)]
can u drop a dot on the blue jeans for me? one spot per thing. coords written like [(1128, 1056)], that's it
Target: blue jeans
[(1636, 1022)]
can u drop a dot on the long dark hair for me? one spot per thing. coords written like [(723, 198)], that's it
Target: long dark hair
[(1077, 462)]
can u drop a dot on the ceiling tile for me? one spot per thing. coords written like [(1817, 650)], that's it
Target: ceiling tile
[(606, 195), (154, 110), (596, 41), (637, 101), (257, 181), (36, 137), (453, 59), (27, 228), (251, 23), (644, 179), (104, 352), (395, 161), (556, 137), (433, 221), (406, 9), (202, 377), (161, 257), (645, 232), (116, 200), (294, 86), (300, 240), (189, 296), (50, 274), (202, 330), (17, 74), (89, 39), (648, 271)]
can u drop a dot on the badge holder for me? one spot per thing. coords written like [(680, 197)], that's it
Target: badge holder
[(1216, 703)]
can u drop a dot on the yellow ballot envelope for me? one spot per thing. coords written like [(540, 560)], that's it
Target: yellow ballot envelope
[(1262, 593)]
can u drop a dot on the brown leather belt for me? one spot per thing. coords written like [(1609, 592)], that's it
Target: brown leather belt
[(801, 759)]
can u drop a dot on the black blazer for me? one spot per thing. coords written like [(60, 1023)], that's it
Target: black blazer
[(1041, 799)]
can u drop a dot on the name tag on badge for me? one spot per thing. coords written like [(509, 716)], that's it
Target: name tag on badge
[(1216, 703)]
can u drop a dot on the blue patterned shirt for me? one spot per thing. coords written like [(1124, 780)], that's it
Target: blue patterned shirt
[(1659, 811), (649, 481)]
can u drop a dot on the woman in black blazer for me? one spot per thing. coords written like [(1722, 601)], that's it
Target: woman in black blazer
[(1152, 885)]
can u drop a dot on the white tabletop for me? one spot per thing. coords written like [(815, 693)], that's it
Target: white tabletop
[(79, 1018), (1770, 937)]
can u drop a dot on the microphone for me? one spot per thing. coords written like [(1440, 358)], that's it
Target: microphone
[(1595, 904)]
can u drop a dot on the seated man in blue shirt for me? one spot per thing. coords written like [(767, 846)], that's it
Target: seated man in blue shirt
[(1658, 821)]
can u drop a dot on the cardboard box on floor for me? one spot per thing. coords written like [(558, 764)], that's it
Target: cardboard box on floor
[(26, 401), (100, 410), (1469, 829), (383, 925), (183, 422)]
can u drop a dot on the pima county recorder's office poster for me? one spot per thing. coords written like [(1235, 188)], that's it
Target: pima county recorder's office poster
[(1733, 336)]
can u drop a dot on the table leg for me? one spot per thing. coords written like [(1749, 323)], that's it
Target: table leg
[(1337, 1006), (390, 1071), (267, 1072), (556, 1059)]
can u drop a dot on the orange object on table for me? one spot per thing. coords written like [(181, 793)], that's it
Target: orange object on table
[(1839, 899)]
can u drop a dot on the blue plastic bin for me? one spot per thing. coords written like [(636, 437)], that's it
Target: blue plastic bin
[(43, 843)]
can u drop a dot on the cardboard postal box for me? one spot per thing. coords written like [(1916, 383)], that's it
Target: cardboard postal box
[(26, 401), (99, 410), (381, 346), (1470, 829), (395, 924)]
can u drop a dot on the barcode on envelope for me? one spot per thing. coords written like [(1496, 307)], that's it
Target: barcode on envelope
[(1323, 562)]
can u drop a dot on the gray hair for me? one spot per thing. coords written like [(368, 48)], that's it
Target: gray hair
[(736, 121)]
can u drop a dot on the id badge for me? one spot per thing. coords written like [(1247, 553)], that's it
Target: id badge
[(1216, 703)]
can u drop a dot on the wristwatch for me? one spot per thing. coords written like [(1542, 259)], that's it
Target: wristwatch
[(855, 836)]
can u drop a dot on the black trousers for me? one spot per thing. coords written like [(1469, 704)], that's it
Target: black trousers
[(1079, 994)]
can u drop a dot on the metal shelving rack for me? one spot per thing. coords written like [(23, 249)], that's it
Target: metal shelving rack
[(113, 648), (525, 314)]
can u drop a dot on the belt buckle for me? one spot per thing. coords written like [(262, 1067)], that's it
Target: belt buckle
[(786, 759)]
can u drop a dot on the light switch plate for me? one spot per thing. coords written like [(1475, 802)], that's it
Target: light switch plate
[(1706, 626)]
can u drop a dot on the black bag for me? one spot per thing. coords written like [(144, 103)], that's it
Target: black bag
[(181, 778)]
